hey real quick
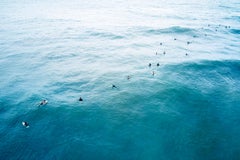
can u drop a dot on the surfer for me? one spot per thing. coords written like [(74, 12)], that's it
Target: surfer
[(113, 86), (43, 102), (153, 73), (80, 99), (25, 124)]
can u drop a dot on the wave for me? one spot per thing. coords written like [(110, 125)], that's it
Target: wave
[(209, 65), (107, 35), (207, 72), (235, 31), (235, 18), (174, 29), (232, 8)]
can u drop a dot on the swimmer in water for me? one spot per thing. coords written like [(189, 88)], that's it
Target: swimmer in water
[(153, 73), (80, 99), (186, 54), (113, 86), (161, 44), (158, 64), (128, 77), (164, 52), (43, 102), (25, 124), (149, 65), (188, 42)]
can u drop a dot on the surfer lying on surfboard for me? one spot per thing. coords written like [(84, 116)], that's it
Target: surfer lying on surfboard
[(25, 124), (43, 102)]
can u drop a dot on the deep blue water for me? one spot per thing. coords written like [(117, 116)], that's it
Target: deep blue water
[(60, 51)]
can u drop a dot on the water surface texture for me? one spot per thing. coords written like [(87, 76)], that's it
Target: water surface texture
[(187, 108)]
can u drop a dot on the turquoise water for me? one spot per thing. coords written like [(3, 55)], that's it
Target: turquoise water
[(60, 51)]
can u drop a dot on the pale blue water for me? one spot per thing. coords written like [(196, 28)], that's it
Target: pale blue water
[(62, 50)]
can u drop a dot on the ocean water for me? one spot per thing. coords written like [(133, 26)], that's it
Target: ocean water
[(62, 50)]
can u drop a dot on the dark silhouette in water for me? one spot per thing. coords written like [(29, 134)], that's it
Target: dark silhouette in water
[(156, 53), (186, 54), (43, 102), (25, 124), (161, 44), (188, 42), (164, 52), (153, 73), (128, 77), (175, 39), (113, 86), (80, 99), (149, 65), (158, 64)]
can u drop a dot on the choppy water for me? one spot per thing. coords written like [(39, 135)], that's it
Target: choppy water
[(62, 50)]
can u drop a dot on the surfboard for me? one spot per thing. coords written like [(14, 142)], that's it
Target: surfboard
[(45, 102)]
